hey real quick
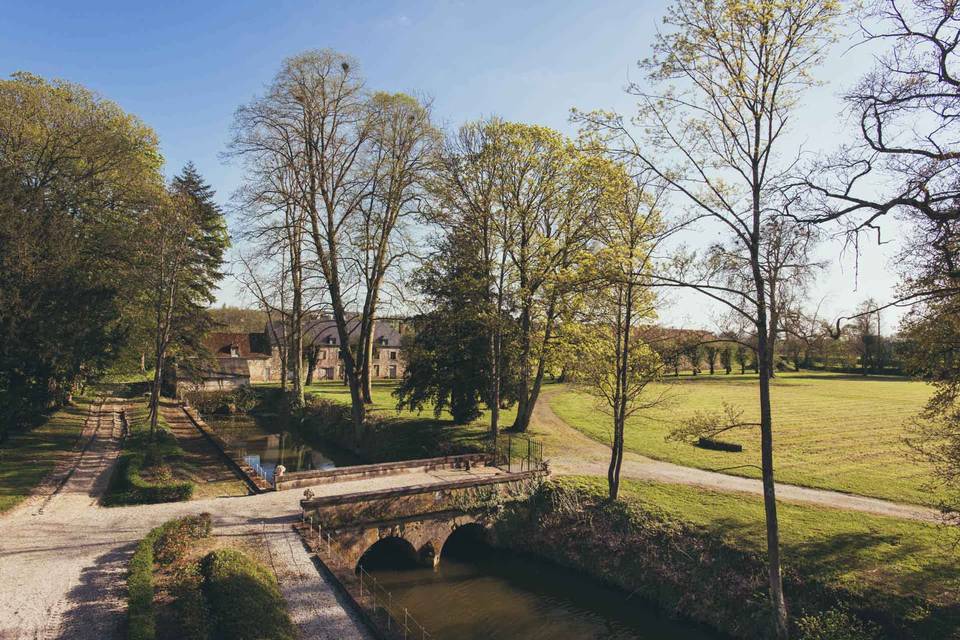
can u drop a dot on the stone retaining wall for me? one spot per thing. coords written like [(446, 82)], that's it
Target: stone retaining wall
[(255, 482)]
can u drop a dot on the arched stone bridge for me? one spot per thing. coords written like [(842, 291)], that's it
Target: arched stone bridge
[(421, 506)]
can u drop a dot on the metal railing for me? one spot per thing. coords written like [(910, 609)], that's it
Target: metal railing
[(517, 453), (374, 596), (240, 453)]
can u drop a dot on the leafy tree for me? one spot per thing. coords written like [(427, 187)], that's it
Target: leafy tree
[(741, 356), (185, 238), (617, 361), (693, 352), (76, 174), (724, 80), (711, 351)]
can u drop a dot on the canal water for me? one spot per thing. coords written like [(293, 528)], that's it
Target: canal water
[(264, 442), (478, 592)]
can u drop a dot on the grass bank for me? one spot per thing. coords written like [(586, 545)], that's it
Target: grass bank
[(831, 431), (700, 554), (27, 457), (143, 474)]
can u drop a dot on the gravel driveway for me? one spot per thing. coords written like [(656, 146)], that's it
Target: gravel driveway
[(63, 557)]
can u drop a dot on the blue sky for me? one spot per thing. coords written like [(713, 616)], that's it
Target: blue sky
[(184, 68)]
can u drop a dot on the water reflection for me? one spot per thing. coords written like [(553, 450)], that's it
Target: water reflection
[(477, 592), (264, 444)]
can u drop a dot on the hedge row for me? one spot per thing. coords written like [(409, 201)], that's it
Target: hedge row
[(163, 544), (244, 598), (127, 484)]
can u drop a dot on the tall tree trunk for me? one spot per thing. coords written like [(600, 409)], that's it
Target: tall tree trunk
[(366, 382), (312, 354), (764, 361)]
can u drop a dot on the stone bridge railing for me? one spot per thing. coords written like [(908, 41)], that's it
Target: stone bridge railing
[(423, 515), (299, 479)]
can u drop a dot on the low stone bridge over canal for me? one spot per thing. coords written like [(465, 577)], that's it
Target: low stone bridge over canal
[(416, 505)]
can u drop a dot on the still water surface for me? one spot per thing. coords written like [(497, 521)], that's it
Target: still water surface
[(482, 593), (264, 441)]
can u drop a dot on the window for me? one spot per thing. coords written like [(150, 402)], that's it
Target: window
[(322, 355), (393, 355), (234, 351), (376, 353), (376, 371)]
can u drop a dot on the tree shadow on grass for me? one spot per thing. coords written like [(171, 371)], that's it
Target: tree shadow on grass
[(900, 581)]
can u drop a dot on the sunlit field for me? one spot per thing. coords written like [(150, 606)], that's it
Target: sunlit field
[(830, 431)]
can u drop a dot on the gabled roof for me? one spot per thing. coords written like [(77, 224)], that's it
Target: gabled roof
[(322, 331), (248, 345)]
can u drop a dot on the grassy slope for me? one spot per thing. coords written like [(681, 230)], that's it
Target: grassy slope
[(28, 457), (830, 431), (897, 559)]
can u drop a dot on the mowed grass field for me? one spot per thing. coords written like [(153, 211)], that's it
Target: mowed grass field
[(831, 431)]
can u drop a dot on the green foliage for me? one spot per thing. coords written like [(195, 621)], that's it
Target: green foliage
[(448, 356), (245, 600), (164, 544), (836, 624), (240, 400), (76, 173), (145, 454)]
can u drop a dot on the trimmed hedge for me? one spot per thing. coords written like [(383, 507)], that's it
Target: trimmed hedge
[(160, 541), (244, 598), (127, 484)]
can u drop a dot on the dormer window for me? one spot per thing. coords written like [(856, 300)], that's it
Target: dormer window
[(383, 340), (329, 339)]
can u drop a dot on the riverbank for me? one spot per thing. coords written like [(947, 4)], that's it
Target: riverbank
[(667, 544)]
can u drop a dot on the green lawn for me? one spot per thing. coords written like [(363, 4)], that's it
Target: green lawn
[(895, 561), (830, 431), (27, 457)]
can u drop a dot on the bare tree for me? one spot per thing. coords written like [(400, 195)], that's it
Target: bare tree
[(735, 73), (315, 122), (398, 159)]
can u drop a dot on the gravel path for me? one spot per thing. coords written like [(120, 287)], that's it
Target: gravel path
[(573, 453), (315, 608), (63, 557)]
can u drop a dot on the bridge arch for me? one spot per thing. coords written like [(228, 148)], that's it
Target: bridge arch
[(390, 552), (463, 538)]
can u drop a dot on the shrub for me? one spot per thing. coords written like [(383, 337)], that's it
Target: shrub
[(718, 445), (176, 538), (240, 400), (836, 624), (127, 484), (245, 600), (141, 620)]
